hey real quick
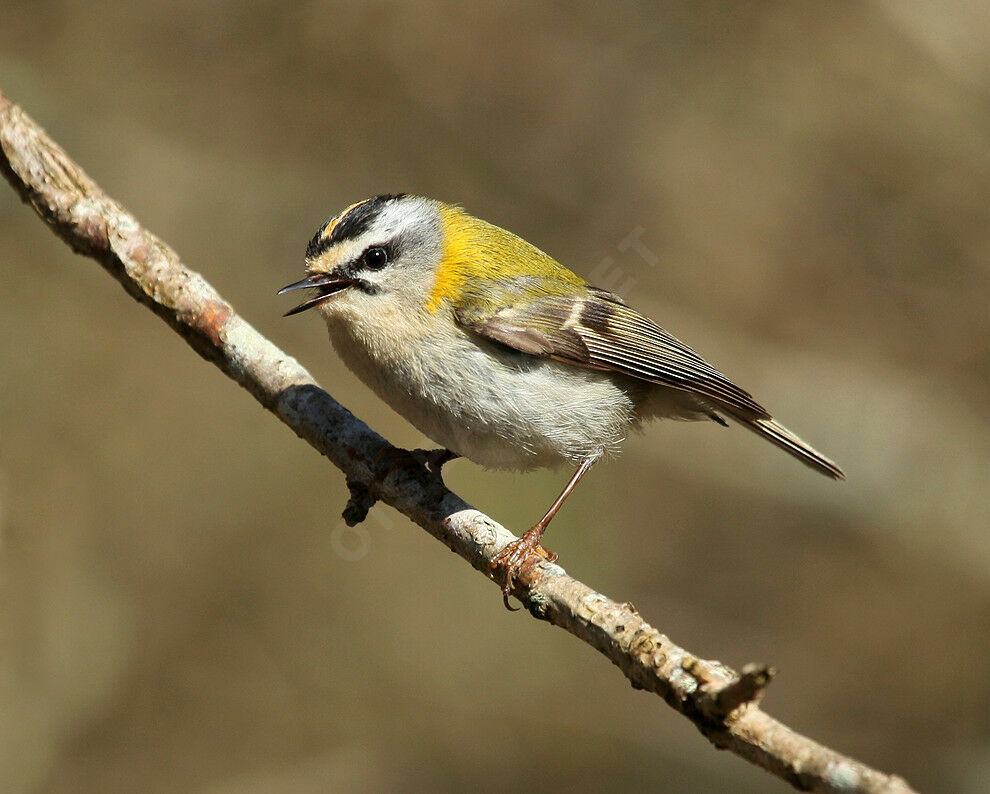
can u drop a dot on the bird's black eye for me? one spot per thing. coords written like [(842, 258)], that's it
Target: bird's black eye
[(375, 258)]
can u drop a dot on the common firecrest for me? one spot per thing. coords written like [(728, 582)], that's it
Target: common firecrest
[(500, 354)]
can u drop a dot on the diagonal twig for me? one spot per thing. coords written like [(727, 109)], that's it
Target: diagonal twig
[(721, 703)]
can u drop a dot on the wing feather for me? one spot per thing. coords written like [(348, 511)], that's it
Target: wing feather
[(599, 331)]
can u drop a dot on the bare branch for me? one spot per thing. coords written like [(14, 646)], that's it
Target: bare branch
[(722, 704)]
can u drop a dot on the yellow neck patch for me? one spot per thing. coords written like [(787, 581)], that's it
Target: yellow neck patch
[(460, 234), (478, 257)]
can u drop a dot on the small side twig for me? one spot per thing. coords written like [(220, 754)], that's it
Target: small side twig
[(360, 503), (724, 697), (722, 704)]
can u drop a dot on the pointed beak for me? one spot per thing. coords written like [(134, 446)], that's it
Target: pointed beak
[(324, 282)]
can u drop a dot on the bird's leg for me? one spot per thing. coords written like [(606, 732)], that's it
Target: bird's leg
[(514, 555)]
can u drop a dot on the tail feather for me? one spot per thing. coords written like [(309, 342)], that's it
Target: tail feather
[(779, 435)]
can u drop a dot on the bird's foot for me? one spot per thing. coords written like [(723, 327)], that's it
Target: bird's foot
[(514, 556), (392, 458), (434, 459)]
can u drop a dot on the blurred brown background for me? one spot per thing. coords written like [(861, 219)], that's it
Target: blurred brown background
[(181, 609)]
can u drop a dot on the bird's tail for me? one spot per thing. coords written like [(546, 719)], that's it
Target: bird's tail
[(777, 434)]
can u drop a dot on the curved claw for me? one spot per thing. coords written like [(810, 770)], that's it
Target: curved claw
[(392, 458), (434, 459), (515, 556), (389, 459)]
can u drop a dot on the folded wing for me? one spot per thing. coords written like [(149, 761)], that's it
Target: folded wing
[(597, 330)]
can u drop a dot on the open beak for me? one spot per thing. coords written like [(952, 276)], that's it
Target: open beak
[(324, 282)]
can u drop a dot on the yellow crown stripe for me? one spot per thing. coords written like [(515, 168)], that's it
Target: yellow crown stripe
[(333, 223)]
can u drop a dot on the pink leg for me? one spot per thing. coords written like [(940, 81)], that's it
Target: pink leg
[(511, 559)]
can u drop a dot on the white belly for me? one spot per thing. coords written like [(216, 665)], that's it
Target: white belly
[(490, 404)]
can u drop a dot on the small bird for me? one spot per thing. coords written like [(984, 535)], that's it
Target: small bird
[(500, 354)]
